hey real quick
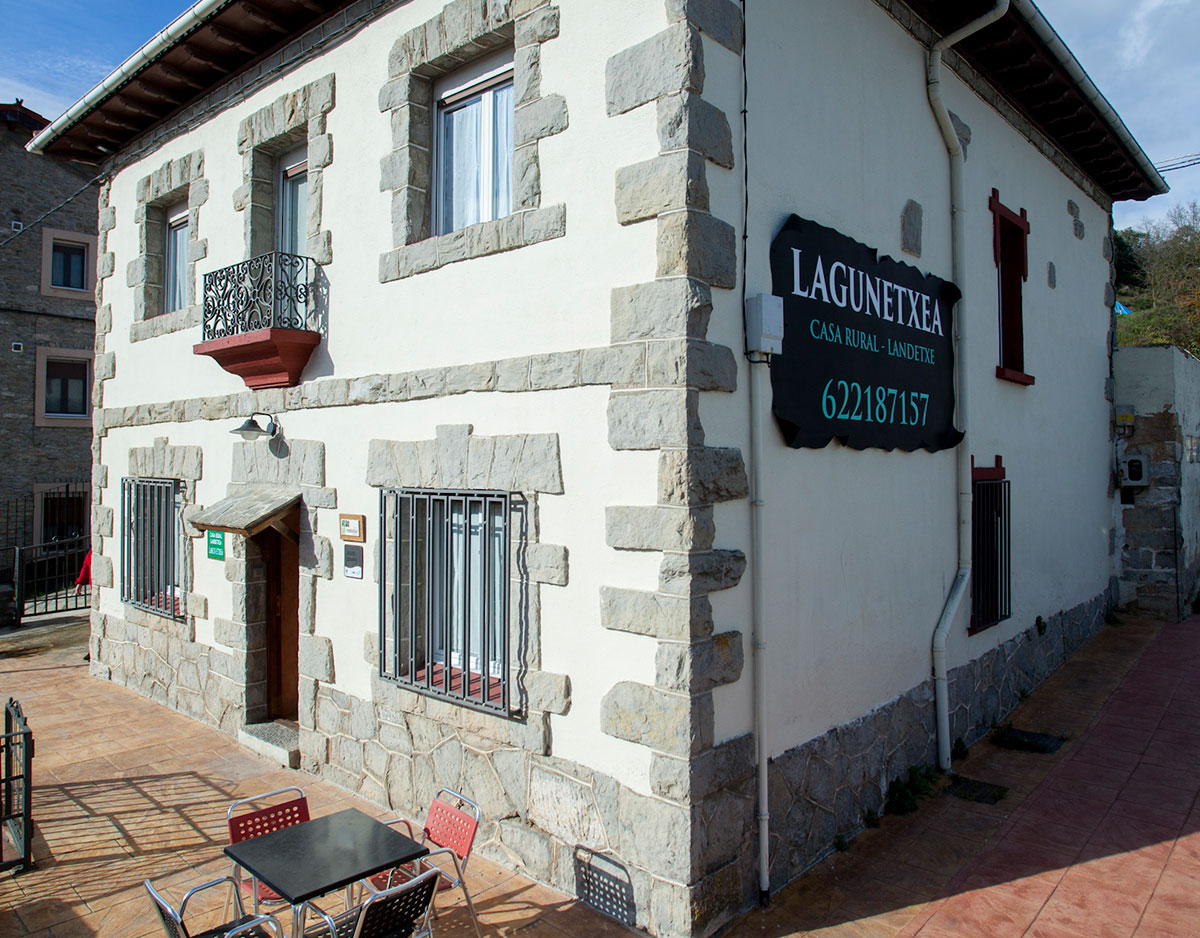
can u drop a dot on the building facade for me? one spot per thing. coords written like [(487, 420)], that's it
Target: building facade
[(47, 316), (1158, 462), (479, 272)]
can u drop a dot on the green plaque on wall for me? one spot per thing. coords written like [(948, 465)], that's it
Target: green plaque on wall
[(216, 545)]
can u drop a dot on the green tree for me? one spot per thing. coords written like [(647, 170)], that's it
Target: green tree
[(1158, 277)]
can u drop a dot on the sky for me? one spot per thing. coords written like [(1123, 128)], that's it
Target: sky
[(1141, 54)]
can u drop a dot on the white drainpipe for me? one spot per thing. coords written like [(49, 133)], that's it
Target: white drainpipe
[(962, 464), (759, 394)]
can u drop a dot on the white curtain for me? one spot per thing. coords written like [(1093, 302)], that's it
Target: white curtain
[(177, 238), (502, 148), (461, 139)]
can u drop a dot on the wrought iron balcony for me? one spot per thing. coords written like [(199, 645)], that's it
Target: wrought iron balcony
[(263, 318), (271, 291)]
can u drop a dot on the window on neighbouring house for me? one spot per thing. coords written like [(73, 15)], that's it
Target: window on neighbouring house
[(991, 593), (473, 144), (152, 545), (175, 261), (444, 594), (1010, 235), (66, 387), (68, 265), (291, 201), (62, 387)]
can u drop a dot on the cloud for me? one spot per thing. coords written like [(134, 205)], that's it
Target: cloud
[(1137, 33)]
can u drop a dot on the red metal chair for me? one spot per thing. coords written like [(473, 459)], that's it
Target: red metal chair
[(450, 829), (259, 821), (249, 926)]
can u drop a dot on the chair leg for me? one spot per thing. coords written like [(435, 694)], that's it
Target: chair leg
[(471, 908)]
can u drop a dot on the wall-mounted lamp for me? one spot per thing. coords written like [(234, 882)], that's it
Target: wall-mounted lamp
[(250, 430)]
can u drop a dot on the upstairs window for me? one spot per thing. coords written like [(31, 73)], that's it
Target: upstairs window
[(152, 546), (291, 200), (473, 144), (68, 265), (444, 585), (1010, 234), (67, 387), (68, 269), (176, 258), (62, 387)]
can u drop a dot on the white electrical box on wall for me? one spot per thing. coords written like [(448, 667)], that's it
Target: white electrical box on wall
[(1135, 471), (764, 324)]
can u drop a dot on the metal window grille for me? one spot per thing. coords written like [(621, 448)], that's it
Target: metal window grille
[(151, 546), (444, 594), (991, 554)]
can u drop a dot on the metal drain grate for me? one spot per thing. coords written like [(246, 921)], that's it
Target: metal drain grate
[(971, 789), (1008, 737)]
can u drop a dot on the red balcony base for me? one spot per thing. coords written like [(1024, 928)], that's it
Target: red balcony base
[(265, 358)]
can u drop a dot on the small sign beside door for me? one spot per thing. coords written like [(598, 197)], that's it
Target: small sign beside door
[(216, 545), (352, 561)]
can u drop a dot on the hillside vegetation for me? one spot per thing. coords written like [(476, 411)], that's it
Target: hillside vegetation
[(1158, 279)]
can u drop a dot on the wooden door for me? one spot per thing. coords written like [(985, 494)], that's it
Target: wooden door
[(281, 555)]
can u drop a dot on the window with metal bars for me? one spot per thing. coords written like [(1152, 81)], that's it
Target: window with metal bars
[(152, 546), (991, 548), (444, 594)]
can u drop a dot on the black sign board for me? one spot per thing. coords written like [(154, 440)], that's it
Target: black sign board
[(868, 349)]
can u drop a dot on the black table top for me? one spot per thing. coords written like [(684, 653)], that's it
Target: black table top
[(310, 859)]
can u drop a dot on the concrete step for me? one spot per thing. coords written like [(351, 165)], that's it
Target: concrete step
[(279, 742)]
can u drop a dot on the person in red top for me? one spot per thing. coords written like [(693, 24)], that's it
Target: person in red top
[(84, 580)]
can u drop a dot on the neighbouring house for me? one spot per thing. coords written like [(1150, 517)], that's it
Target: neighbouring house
[(47, 330), (483, 402), (1157, 515)]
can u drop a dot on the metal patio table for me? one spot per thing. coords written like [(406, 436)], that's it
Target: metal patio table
[(316, 857)]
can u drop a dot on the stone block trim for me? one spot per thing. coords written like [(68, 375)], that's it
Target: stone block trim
[(720, 20), (163, 461), (662, 616), (701, 476), (671, 723), (518, 230), (694, 668), (457, 459), (288, 121), (667, 63), (659, 528), (465, 31), (301, 463), (688, 122), (526, 464), (178, 180), (661, 309), (672, 182)]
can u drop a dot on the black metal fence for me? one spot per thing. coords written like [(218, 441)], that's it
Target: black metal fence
[(56, 513), (46, 574), (271, 291), (991, 554), (16, 788)]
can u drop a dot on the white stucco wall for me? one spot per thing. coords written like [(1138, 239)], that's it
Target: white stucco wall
[(861, 545), (548, 297)]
